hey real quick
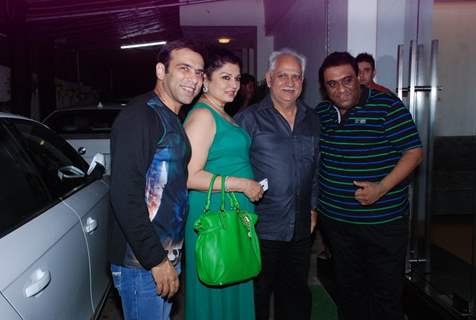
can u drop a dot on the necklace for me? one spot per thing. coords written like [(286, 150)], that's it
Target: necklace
[(214, 104), (219, 109)]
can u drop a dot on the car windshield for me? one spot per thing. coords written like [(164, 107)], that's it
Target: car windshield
[(82, 121)]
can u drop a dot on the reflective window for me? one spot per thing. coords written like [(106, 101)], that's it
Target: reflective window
[(22, 193), (60, 166)]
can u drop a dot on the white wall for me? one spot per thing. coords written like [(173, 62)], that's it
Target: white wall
[(303, 28), (5, 89), (390, 34), (377, 27), (233, 13), (454, 27), (362, 26)]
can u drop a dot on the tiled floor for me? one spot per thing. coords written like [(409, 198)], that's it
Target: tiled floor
[(418, 305)]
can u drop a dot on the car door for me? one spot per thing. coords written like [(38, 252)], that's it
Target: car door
[(6, 310), (90, 203), (45, 272)]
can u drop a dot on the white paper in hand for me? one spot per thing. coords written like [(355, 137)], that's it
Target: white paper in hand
[(264, 184)]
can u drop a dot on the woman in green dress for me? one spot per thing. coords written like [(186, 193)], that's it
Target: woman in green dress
[(219, 146)]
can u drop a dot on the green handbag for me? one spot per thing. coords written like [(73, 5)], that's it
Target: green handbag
[(227, 248)]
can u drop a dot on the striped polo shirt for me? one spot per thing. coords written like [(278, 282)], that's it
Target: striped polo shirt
[(365, 145)]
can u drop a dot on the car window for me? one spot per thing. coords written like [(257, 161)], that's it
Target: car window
[(22, 193), (56, 160), (82, 121)]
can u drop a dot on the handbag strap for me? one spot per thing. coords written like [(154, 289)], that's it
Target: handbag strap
[(235, 204), (222, 205), (209, 196)]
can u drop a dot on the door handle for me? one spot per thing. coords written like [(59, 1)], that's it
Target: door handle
[(91, 225), (40, 280), (82, 150)]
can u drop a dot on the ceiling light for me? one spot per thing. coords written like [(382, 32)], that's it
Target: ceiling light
[(224, 40), (141, 45)]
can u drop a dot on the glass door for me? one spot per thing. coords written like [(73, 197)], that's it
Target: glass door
[(440, 91)]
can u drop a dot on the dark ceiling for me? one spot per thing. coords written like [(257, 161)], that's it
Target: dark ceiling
[(89, 25), (79, 41)]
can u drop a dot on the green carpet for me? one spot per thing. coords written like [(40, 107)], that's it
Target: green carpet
[(323, 307)]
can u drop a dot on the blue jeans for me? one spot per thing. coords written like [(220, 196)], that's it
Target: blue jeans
[(139, 297)]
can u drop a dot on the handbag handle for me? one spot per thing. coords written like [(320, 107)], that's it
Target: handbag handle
[(209, 195), (235, 204)]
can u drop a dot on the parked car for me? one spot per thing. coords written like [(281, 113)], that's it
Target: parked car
[(53, 230), (87, 129)]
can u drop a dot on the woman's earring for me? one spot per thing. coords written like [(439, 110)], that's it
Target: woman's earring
[(205, 88)]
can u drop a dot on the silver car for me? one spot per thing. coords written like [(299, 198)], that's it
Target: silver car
[(87, 129), (53, 226)]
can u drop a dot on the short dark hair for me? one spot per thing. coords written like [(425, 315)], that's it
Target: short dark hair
[(165, 52), (366, 57), (247, 78), (216, 57), (336, 59)]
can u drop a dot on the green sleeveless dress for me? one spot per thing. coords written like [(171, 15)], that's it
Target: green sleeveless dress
[(229, 156)]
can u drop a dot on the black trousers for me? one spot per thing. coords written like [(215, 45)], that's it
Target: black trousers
[(285, 267), (369, 263)]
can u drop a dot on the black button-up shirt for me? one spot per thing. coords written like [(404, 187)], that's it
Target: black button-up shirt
[(288, 158)]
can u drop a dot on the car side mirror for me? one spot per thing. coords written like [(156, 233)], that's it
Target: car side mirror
[(97, 166), (70, 172)]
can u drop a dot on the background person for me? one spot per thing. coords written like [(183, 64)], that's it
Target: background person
[(366, 64), (219, 146), (245, 96)]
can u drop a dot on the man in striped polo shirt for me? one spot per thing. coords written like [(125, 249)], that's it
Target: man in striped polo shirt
[(369, 148)]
